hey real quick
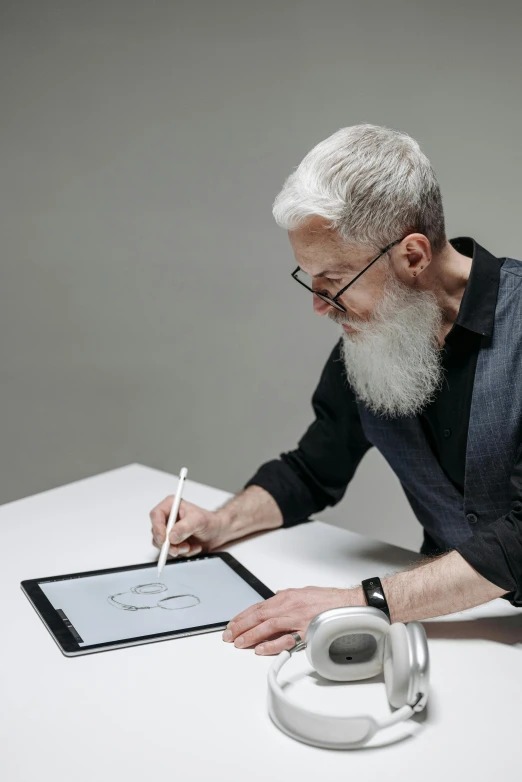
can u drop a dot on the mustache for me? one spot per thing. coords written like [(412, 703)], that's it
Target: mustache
[(343, 319)]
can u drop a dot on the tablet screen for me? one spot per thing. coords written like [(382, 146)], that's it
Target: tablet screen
[(110, 607)]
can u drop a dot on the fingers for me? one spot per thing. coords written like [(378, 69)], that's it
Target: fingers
[(285, 642), (159, 516), (265, 617), (182, 528), (267, 625), (190, 522), (189, 549), (262, 632), (255, 614)]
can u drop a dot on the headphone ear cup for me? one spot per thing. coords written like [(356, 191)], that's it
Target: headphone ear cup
[(398, 661), (347, 644)]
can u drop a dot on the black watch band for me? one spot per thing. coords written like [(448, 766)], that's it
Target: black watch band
[(374, 593)]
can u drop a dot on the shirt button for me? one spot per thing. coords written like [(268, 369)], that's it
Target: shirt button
[(447, 433), (472, 518), (517, 505)]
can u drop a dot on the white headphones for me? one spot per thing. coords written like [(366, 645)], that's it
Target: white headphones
[(347, 644)]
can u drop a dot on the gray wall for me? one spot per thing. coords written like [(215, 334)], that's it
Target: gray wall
[(146, 308)]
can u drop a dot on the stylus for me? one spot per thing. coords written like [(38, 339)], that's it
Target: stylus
[(172, 518)]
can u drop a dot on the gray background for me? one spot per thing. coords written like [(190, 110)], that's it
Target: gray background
[(146, 308)]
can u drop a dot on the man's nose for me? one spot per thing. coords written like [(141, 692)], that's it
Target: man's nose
[(321, 307)]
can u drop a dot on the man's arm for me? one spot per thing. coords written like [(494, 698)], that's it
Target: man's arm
[(485, 566), (441, 586), (495, 550), (252, 510)]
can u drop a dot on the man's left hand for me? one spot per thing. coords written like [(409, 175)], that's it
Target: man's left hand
[(267, 625)]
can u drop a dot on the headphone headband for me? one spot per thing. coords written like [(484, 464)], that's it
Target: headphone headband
[(322, 730), (400, 650)]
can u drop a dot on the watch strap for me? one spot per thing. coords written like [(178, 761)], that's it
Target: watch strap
[(374, 594)]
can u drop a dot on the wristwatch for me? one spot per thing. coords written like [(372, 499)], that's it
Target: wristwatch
[(374, 593)]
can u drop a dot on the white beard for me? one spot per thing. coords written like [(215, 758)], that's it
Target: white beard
[(393, 361)]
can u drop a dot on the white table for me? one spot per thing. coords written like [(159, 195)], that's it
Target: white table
[(118, 716)]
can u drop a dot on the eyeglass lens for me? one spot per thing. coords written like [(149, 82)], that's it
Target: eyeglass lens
[(312, 285)]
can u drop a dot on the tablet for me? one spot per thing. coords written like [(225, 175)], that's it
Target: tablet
[(126, 606)]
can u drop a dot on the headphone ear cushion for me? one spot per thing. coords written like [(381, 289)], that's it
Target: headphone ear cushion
[(398, 661), (347, 644)]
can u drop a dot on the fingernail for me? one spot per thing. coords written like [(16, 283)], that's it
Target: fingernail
[(227, 635), (184, 549), (259, 649), (239, 641)]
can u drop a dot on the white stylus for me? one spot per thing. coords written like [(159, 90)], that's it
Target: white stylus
[(172, 518)]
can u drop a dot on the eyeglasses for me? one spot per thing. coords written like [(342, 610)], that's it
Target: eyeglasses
[(333, 301)]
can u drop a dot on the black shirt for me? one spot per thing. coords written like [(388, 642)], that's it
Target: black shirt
[(317, 473)]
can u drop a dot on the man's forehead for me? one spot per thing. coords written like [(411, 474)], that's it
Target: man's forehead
[(319, 249), (314, 231)]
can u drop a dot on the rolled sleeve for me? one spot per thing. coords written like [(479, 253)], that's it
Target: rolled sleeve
[(292, 495), (496, 553)]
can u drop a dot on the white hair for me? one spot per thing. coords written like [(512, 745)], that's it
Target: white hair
[(372, 184)]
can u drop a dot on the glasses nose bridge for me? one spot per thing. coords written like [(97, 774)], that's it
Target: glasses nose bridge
[(335, 304), (325, 296)]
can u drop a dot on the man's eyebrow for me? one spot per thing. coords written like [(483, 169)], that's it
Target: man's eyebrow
[(328, 271)]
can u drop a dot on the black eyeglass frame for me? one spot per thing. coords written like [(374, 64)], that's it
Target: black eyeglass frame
[(333, 300)]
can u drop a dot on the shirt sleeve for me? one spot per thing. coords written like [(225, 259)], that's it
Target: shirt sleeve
[(496, 551), (318, 471)]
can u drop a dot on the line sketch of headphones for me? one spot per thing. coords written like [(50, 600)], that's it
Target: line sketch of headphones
[(349, 644), (146, 598)]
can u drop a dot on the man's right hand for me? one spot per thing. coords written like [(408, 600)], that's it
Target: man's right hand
[(195, 530)]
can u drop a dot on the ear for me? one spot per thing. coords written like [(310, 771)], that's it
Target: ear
[(412, 256)]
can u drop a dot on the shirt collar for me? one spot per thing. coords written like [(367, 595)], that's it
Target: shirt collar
[(479, 301)]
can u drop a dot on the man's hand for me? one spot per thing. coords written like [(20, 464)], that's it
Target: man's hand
[(196, 530), (267, 625), (435, 588)]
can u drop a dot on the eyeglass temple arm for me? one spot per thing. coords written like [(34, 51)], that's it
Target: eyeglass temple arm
[(385, 250)]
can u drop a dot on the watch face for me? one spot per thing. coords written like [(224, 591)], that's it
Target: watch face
[(375, 594)]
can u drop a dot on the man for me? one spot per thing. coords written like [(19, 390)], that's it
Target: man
[(428, 369)]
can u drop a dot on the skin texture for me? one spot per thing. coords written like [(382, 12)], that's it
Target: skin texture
[(317, 249), (442, 585)]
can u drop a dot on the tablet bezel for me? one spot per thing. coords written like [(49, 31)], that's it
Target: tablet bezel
[(65, 637)]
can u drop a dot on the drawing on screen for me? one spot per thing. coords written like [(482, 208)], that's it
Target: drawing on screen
[(146, 596)]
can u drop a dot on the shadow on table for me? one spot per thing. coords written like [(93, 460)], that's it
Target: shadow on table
[(389, 556), (502, 629)]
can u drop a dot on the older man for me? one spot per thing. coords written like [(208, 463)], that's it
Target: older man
[(428, 370)]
